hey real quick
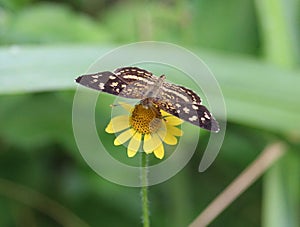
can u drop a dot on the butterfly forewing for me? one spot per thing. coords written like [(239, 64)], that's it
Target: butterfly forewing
[(104, 81), (129, 82)]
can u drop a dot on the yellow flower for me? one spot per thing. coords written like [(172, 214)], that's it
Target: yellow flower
[(148, 124)]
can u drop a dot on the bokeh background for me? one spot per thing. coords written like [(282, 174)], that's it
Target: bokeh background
[(252, 47)]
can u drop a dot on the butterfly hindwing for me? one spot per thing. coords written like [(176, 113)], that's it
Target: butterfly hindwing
[(178, 94)]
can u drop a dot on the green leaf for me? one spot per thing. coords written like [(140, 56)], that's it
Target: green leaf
[(51, 23), (256, 94), (279, 22)]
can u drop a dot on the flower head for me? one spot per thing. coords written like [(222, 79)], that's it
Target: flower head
[(145, 123)]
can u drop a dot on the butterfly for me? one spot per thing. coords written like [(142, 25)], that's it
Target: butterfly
[(136, 83)]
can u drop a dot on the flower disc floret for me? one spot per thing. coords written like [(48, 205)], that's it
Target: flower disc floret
[(145, 120)]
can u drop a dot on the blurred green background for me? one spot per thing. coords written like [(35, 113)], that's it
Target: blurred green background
[(252, 47)]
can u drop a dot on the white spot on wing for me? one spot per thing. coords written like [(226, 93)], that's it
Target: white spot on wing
[(114, 84), (186, 110), (193, 118), (112, 77), (206, 115), (195, 107), (101, 85)]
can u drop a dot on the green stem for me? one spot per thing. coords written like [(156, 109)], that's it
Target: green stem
[(144, 190)]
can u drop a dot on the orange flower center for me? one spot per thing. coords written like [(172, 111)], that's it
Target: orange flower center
[(145, 119)]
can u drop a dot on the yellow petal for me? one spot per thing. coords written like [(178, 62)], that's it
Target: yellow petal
[(174, 130), (164, 113), (167, 138), (135, 142), (126, 106), (159, 152), (172, 120), (131, 153), (124, 136), (151, 142), (118, 124), (147, 147)]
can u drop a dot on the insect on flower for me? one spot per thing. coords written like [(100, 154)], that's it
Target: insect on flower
[(154, 92)]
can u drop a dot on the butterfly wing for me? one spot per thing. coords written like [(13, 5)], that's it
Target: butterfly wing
[(128, 82), (178, 94), (196, 114)]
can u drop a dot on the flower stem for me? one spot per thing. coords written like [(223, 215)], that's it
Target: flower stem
[(144, 190)]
